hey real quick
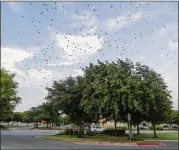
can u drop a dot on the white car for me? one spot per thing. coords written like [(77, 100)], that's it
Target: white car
[(143, 127), (167, 127), (97, 129)]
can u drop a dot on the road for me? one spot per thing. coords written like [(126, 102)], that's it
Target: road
[(24, 139)]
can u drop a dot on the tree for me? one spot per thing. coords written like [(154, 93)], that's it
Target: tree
[(121, 88), (48, 113), (106, 85), (173, 119), (7, 118), (155, 99), (66, 96), (9, 98), (34, 113), (27, 117), (18, 117)]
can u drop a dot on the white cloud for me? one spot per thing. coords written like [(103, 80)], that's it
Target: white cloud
[(77, 48), (79, 72), (11, 56), (169, 29), (93, 30), (173, 45), (15, 6), (85, 19), (140, 3), (124, 20), (65, 63), (61, 8)]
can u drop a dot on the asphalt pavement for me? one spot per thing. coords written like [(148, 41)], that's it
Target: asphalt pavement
[(25, 139)]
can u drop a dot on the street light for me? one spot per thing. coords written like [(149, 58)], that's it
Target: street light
[(129, 119)]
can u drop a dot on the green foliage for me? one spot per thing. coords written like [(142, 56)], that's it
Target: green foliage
[(27, 116), (9, 98), (7, 118), (174, 117), (17, 116), (157, 127), (67, 96), (109, 90)]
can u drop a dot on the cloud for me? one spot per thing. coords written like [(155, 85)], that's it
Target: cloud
[(140, 3), (61, 8), (11, 56), (15, 6), (77, 48), (65, 63), (169, 29), (124, 20), (173, 45), (86, 20)]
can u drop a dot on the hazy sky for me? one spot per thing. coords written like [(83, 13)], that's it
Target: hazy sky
[(48, 41)]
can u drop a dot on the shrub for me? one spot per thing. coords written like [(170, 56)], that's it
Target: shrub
[(67, 131), (75, 132), (112, 132), (118, 128), (157, 127)]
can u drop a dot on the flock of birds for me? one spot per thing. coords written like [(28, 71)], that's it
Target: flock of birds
[(111, 41)]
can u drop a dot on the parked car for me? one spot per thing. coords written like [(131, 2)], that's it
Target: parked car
[(97, 129), (167, 127), (174, 127), (143, 127)]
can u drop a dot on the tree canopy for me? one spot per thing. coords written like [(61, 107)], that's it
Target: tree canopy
[(9, 98)]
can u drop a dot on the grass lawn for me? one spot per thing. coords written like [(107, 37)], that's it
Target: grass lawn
[(107, 138), (163, 136), (94, 138)]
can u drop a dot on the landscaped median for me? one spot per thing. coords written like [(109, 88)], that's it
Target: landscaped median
[(108, 140)]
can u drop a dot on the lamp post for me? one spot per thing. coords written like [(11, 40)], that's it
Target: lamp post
[(129, 119), (12, 120)]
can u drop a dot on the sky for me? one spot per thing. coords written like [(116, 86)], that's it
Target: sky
[(46, 41)]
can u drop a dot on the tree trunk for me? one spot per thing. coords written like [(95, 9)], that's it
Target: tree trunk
[(89, 128), (128, 129), (155, 134), (47, 124), (8, 124), (115, 127), (80, 130), (17, 123), (27, 124), (138, 129), (36, 125)]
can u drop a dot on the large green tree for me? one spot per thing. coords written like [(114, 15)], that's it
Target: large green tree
[(27, 117), (155, 98), (66, 95), (8, 118), (18, 117), (48, 112), (9, 98)]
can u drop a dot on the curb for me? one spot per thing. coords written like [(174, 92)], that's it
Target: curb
[(149, 144), (163, 140)]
